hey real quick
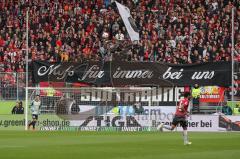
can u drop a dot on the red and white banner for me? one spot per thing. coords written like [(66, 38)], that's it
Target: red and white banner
[(212, 94)]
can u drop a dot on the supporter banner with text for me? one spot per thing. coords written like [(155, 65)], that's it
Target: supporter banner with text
[(120, 73)]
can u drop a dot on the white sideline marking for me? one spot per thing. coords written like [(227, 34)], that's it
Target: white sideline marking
[(10, 146)]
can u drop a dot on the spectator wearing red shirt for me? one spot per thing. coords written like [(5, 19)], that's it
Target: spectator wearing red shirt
[(183, 24)]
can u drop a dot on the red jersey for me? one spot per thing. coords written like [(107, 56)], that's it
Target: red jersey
[(182, 107)]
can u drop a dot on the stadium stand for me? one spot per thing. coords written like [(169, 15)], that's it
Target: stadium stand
[(80, 30)]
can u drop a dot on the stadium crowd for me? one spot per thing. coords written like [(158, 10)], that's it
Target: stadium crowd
[(173, 31)]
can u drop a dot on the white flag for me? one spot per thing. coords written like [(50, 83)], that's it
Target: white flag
[(128, 21)]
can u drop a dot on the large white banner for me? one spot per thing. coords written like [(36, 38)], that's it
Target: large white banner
[(149, 119), (128, 21), (202, 123), (143, 122)]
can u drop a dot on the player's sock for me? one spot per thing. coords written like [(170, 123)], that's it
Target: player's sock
[(34, 123), (30, 124), (167, 127), (185, 136)]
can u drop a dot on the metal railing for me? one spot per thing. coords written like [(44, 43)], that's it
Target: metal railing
[(12, 85)]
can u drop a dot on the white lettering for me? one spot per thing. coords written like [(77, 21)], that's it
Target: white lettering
[(175, 75), (203, 75), (60, 74), (93, 72), (132, 74)]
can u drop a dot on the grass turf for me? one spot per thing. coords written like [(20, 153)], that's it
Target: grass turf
[(117, 145), (6, 106)]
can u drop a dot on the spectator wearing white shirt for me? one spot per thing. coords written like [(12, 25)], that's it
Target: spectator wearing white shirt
[(119, 35), (105, 34)]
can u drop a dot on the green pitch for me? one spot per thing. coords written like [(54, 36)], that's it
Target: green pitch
[(114, 145), (6, 107)]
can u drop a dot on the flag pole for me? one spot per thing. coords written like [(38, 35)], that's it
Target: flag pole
[(190, 40), (232, 52), (26, 60)]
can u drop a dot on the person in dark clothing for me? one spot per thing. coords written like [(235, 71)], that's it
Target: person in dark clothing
[(15, 108), (226, 109), (21, 109), (18, 108), (138, 108)]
